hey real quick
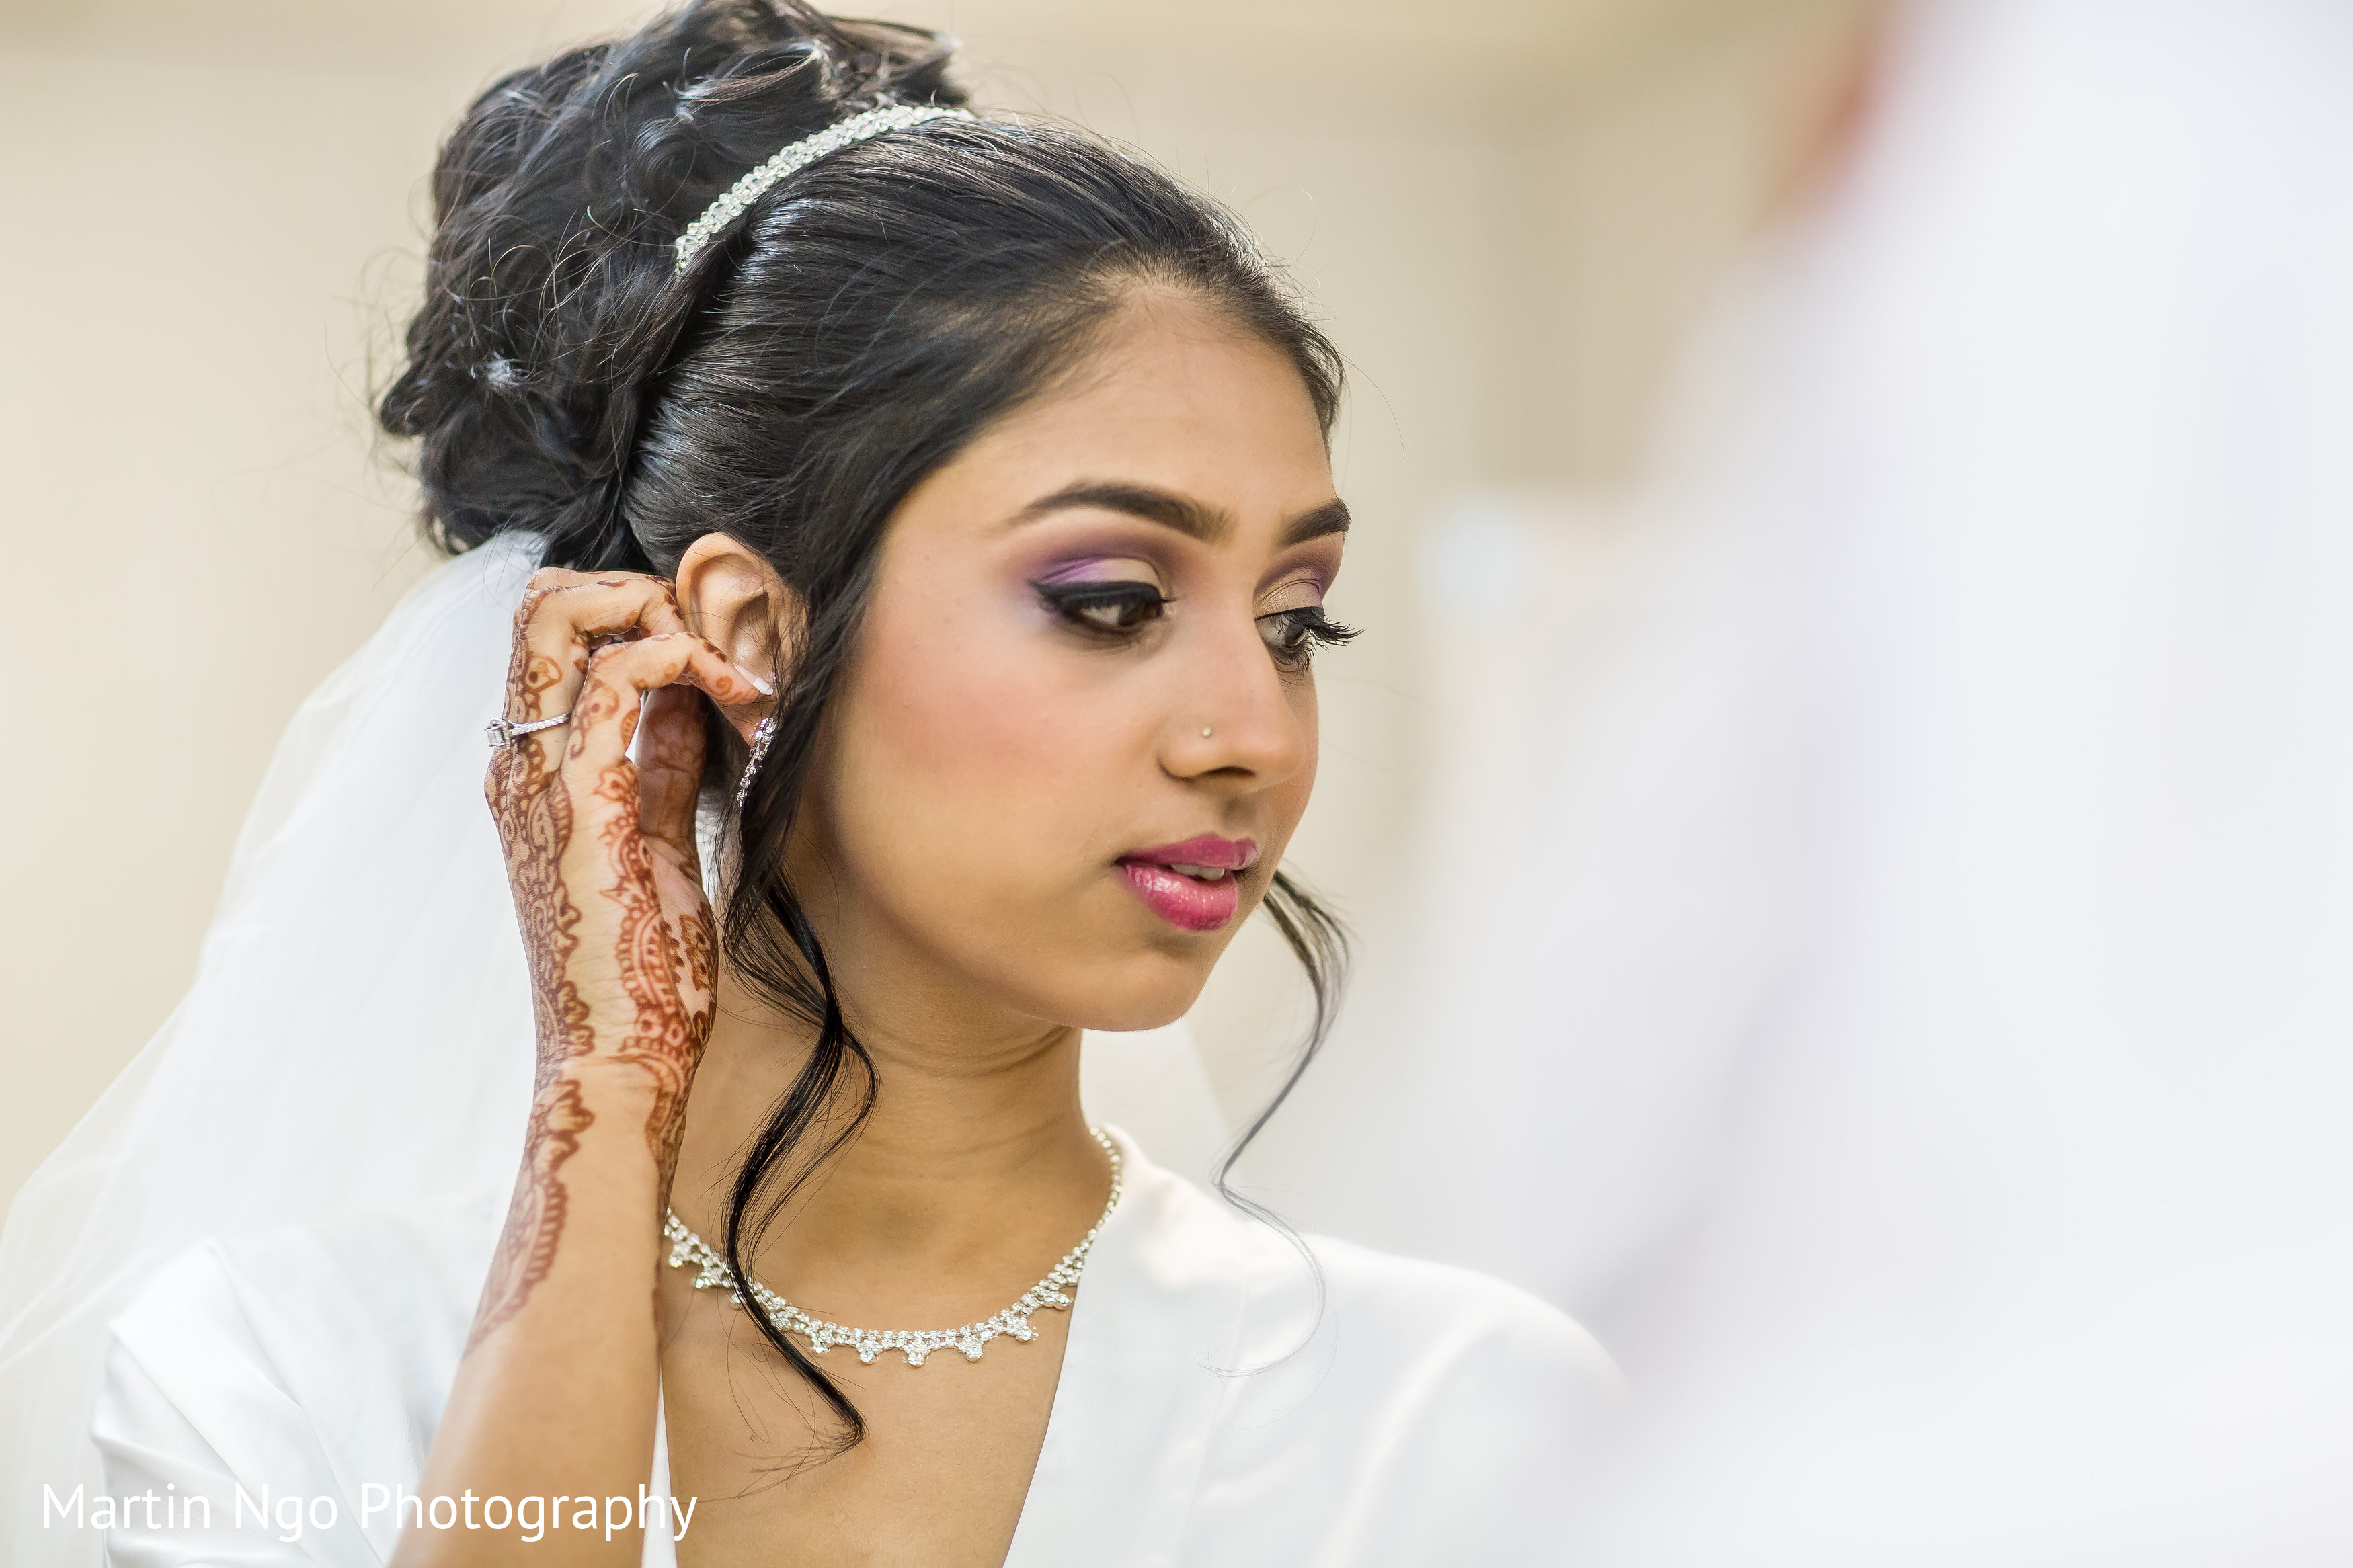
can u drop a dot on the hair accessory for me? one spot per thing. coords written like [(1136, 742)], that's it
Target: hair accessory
[(800, 156), (501, 733), (1054, 1290), (761, 738)]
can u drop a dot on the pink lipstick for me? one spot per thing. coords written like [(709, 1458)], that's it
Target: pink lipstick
[(1193, 885)]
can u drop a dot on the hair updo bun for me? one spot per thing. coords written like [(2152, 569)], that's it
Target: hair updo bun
[(844, 336), (548, 284)]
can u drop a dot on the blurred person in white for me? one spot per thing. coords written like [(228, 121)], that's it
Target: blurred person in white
[(1916, 919), (2030, 1237), (934, 520)]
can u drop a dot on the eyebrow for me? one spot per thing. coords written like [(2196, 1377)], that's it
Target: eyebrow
[(1185, 515), (1331, 517)]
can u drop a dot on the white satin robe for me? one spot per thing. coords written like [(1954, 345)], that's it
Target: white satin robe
[(1423, 1416)]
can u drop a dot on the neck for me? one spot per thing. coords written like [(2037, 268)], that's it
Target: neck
[(975, 1167)]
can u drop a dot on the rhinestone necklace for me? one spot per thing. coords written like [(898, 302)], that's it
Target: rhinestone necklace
[(914, 1343)]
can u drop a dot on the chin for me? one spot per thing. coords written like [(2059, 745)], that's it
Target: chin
[(1137, 991)]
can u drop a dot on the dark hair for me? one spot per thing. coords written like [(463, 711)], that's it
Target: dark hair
[(848, 334)]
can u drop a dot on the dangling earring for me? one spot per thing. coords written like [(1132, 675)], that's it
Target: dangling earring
[(761, 736)]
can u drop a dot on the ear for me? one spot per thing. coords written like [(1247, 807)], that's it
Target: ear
[(732, 596)]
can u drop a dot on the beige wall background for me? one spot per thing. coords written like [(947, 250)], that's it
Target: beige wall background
[(1507, 212)]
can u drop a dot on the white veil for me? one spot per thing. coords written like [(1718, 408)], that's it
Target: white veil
[(358, 1036), (358, 1039)]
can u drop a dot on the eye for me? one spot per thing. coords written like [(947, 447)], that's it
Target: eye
[(1293, 635), (1106, 609)]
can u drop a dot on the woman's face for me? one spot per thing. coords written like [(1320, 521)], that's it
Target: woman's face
[(1081, 726)]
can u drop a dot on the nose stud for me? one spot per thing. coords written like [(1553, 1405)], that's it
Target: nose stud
[(1205, 731)]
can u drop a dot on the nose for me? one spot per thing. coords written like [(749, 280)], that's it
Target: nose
[(1235, 718)]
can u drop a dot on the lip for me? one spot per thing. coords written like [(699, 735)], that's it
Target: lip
[(1190, 903), (1208, 849)]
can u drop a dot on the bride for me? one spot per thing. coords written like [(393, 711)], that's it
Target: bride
[(932, 522)]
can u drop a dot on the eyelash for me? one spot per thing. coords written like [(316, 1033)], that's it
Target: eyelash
[(1303, 630), (1299, 633), (1136, 603)]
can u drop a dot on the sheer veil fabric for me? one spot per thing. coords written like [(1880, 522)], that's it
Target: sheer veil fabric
[(357, 1042), (358, 1037)]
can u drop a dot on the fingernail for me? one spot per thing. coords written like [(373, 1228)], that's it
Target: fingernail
[(766, 689)]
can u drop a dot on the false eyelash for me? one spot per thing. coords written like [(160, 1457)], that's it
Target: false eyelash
[(1071, 601), (1314, 629)]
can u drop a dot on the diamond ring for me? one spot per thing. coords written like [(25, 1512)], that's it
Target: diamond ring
[(503, 732)]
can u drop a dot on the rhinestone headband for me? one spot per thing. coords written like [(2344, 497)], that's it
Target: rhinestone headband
[(800, 156)]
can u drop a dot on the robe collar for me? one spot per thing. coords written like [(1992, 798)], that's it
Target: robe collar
[(1181, 1294)]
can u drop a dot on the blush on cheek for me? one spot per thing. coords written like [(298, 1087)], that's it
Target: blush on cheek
[(974, 710), (978, 752)]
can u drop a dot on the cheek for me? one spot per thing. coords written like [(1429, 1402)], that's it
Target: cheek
[(971, 766), (1287, 802)]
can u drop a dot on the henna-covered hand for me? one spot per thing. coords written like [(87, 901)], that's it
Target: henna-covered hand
[(602, 856)]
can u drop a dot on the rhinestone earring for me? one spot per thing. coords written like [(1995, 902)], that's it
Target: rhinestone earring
[(761, 738)]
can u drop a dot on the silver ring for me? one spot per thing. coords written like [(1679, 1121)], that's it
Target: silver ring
[(503, 732)]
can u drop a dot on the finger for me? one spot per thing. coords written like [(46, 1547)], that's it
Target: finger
[(669, 775), (605, 718), (562, 616)]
